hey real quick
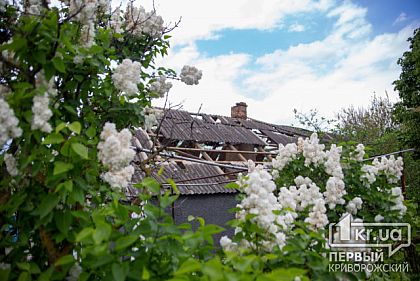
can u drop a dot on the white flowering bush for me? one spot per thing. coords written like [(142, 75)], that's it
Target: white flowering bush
[(306, 187), (76, 79)]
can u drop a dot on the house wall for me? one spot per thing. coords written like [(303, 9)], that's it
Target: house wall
[(214, 208)]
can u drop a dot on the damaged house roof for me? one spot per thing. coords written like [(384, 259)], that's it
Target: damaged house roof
[(202, 152)]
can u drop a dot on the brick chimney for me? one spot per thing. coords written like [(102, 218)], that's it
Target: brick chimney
[(239, 110)]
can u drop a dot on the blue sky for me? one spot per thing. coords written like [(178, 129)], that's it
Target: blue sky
[(281, 55)]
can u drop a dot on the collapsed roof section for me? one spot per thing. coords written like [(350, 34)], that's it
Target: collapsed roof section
[(202, 152)]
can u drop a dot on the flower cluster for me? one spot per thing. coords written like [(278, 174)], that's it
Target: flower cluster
[(151, 117), (139, 22), (313, 151), (332, 163), (160, 86), (398, 200), (41, 113), (317, 218), (308, 192), (354, 205), (116, 22), (369, 174), (8, 123), (358, 153), (190, 75), (126, 76), (260, 202), (115, 153), (334, 192), (85, 13), (11, 164), (286, 154), (391, 167)]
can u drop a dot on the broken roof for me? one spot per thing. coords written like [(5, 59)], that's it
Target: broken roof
[(207, 139), (183, 125)]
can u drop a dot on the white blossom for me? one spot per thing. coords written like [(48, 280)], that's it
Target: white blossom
[(126, 76), (11, 165), (358, 153), (41, 113), (160, 86), (307, 192), (286, 154), (114, 148), (369, 174), (317, 218), (139, 22), (398, 200), (227, 244), (334, 192), (119, 178), (190, 75), (115, 153), (261, 202), (332, 163), (313, 151), (151, 117), (116, 21), (8, 123), (391, 167), (354, 205)]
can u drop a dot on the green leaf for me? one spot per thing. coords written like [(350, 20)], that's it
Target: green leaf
[(80, 149), (124, 242), (145, 274), (118, 272), (60, 126), (91, 132), (61, 167), (151, 184), (85, 233), (67, 259), (24, 276), (70, 109), (75, 127), (59, 64), (47, 205), (53, 138), (63, 221), (67, 185), (102, 232), (188, 266), (173, 185), (232, 185), (23, 266)]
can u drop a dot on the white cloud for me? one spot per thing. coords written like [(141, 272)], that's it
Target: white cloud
[(401, 18), (202, 19), (346, 67), (296, 27)]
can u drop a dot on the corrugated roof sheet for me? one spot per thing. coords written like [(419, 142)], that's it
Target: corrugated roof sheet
[(202, 131), (173, 171)]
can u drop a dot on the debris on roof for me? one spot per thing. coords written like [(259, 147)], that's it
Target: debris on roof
[(209, 139)]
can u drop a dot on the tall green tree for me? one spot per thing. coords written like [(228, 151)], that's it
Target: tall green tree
[(407, 111)]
